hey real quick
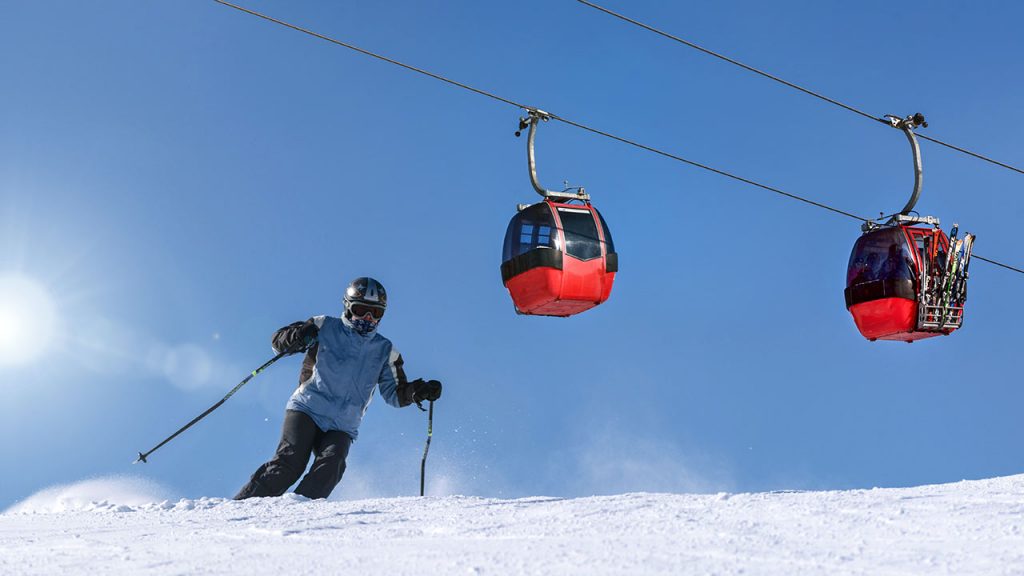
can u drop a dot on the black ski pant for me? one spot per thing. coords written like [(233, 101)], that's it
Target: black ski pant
[(300, 436)]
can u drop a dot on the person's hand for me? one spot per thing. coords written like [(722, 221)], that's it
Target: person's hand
[(429, 390), (307, 334)]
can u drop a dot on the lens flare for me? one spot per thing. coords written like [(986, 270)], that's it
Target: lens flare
[(28, 319)]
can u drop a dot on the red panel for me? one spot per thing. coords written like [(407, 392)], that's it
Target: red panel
[(890, 319), (535, 288), (582, 280), (609, 279), (912, 336), (563, 308), (550, 292), (884, 317)]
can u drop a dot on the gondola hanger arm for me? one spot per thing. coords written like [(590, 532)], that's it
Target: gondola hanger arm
[(907, 125), (533, 117)]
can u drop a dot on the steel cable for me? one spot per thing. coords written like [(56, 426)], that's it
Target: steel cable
[(787, 83), (563, 119)]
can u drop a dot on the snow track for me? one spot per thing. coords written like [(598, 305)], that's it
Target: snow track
[(971, 527)]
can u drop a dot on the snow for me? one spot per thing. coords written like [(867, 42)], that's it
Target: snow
[(109, 527)]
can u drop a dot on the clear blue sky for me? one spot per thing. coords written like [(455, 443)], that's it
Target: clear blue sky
[(182, 179)]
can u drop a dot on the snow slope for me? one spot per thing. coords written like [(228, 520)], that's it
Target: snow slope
[(970, 527)]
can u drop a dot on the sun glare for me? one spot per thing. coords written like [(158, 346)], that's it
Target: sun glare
[(28, 317)]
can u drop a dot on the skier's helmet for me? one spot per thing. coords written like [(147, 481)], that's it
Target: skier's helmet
[(365, 302)]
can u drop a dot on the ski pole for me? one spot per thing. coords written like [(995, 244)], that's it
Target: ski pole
[(430, 432), (142, 457)]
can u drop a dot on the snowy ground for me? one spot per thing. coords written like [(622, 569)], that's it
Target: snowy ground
[(974, 527)]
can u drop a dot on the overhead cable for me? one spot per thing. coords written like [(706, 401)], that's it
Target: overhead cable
[(561, 118), (1008, 267), (550, 115), (787, 83)]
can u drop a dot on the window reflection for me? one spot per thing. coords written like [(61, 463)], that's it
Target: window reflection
[(533, 227), (581, 238), (881, 255)]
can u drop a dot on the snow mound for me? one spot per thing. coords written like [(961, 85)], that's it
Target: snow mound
[(110, 493), (970, 527)]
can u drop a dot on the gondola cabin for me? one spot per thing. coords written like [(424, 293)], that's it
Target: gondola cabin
[(558, 259), (902, 284)]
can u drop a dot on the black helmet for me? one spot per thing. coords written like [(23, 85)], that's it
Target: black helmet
[(365, 302)]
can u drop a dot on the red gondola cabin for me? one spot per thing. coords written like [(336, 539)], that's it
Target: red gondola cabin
[(558, 259), (900, 284)]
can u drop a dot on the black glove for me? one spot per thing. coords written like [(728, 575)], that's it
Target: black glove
[(425, 390), (307, 334)]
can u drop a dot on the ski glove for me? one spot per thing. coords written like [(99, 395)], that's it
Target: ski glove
[(295, 337), (429, 390), (307, 334)]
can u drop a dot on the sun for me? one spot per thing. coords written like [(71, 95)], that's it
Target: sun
[(28, 318)]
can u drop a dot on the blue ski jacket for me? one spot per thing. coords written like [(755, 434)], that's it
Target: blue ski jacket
[(340, 373)]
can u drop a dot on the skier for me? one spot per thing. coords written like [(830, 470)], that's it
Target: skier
[(345, 360)]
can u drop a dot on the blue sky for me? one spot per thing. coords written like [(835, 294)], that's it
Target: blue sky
[(182, 179)]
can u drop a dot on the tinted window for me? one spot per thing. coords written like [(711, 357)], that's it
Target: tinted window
[(881, 255), (581, 239), (607, 233), (531, 228)]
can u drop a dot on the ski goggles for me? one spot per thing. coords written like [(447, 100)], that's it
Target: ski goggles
[(360, 310)]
